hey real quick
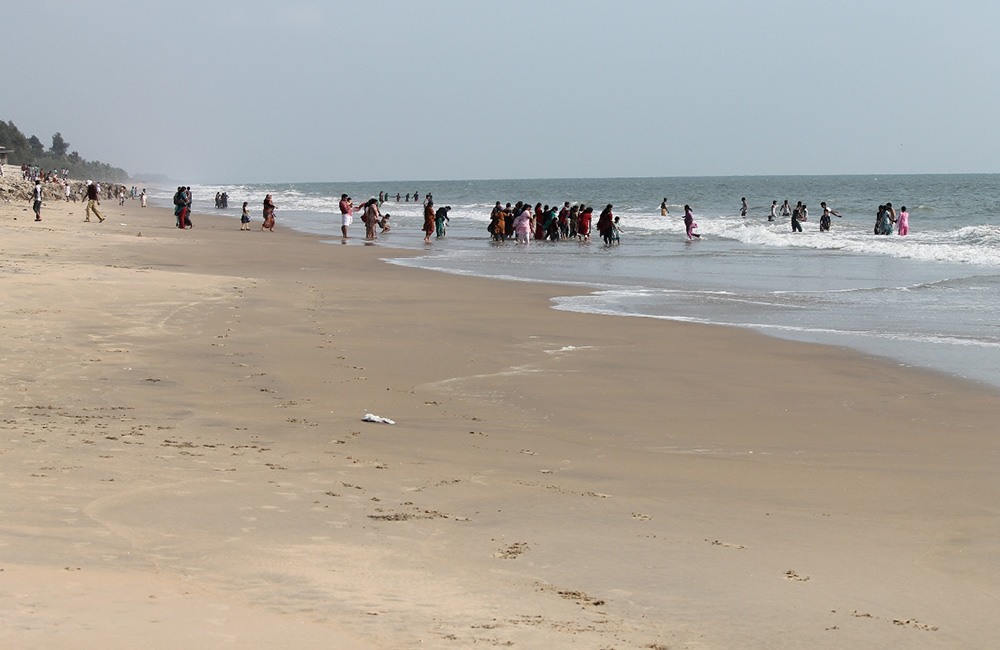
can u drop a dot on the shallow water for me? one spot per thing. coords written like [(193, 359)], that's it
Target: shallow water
[(929, 299)]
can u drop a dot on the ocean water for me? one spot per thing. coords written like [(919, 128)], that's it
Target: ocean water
[(930, 299)]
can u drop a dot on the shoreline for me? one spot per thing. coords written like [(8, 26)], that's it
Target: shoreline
[(880, 296), (184, 441)]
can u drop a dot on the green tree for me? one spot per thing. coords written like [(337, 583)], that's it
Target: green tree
[(12, 138), (35, 146), (59, 146)]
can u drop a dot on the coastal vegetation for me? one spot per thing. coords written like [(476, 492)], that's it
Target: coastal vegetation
[(29, 150)]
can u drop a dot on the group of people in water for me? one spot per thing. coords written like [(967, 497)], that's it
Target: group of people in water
[(886, 217), (522, 222)]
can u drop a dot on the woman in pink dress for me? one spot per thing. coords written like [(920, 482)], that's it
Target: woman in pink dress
[(903, 221), (689, 224), (522, 225)]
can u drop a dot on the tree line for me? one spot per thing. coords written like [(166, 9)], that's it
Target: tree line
[(31, 151)]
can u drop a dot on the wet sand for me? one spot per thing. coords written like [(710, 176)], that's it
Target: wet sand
[(184, 462)]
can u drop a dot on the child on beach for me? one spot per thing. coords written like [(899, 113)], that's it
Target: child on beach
[(245, 218)]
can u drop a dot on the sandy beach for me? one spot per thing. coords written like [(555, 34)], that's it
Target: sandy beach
[(184, 461)]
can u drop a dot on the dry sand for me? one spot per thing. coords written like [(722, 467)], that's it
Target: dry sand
[(183, 461)]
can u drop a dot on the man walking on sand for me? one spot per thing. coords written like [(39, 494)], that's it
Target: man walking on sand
[(93, 200), (36, 203)]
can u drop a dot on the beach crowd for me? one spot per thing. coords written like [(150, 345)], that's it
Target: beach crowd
[(522, 222)]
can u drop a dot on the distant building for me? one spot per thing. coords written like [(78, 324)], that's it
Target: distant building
[(4, 151)]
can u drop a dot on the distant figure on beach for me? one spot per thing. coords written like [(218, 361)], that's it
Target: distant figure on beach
[(664, 212), (397, 197), (407, 197), (563, 218), (428, 220), (606, 225), (824, 220), (885, 218), (522, 225), (786, 210), (346, 212), (142, 197), (178, 207), (797, 217), (245, 217), (774, 211), (903, 221), (441, 219), (583, 224), (268, 214), (496, 222), (36, 200), (689, 224), (94, 200), (616, 232), (371, 216), (743, 207), (182, 208), (550, 223)]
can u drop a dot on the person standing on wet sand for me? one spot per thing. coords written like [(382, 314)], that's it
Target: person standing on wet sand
[(268, 214), (346, 210), (371, 216)]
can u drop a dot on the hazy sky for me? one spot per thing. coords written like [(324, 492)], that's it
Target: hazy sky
[(254, 91)]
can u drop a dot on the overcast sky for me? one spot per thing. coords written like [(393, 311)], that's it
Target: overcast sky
[(253, 91)]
